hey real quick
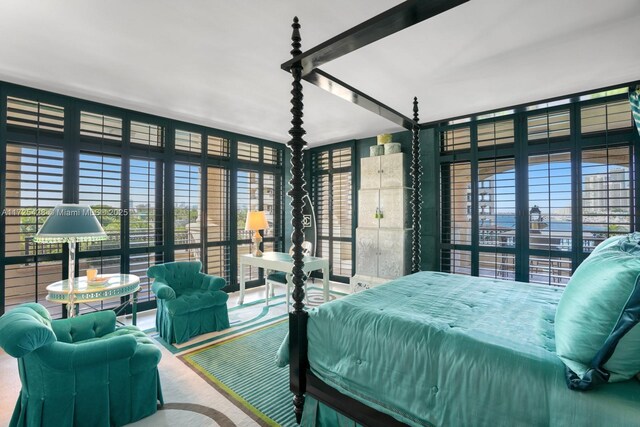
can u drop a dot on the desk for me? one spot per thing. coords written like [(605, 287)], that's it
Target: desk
[(280, 261), (118, 285)]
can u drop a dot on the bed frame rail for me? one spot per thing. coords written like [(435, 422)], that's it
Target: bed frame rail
[(347, 406)]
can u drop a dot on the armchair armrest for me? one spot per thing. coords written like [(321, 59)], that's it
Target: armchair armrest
[(212, 283), (162, 290), (90, 325), (65, 356)]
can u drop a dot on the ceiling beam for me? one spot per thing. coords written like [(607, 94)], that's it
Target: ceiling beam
[(343, 90), (380, 26)]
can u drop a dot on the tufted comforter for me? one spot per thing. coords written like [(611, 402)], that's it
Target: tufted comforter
[(449, 350)]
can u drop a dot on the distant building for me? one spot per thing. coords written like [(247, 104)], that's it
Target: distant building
[(486, 201), (606, 190)]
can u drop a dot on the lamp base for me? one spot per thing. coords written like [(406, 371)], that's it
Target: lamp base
[(257, 239)]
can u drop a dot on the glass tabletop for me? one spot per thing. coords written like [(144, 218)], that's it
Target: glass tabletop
[(80, 284)]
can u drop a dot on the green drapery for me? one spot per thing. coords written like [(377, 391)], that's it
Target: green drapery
[(634, 99)]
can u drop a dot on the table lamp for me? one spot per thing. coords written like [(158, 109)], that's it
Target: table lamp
[(71, 223), (256, 221)]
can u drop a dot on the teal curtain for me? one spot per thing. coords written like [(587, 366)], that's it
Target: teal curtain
[(634, 98)]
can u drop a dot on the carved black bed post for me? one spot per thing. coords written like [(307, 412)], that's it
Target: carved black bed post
[(298, 317), (416, 199)]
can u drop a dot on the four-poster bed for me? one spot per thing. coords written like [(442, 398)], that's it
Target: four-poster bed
[(347, 356), (305, 66)]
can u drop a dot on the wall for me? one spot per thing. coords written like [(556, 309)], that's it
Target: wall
[(430, 193)]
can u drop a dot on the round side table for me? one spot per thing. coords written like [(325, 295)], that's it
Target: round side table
[(117, 285)]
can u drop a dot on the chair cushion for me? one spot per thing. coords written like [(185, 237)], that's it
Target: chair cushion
[(598, 313), (147, 355), (279, 277), (191, 300)]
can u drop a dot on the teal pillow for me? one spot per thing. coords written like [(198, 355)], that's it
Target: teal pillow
[(611, 241), (596, 325)]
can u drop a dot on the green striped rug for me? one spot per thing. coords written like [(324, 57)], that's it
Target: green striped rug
[(245, 318), (244, 368)]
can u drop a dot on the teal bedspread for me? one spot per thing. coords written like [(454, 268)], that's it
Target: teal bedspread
[(448, 350)]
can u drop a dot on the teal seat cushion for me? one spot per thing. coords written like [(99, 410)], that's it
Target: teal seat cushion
[(191, 300), (279, 277), (596, 322)]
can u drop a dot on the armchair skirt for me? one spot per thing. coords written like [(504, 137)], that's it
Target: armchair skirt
[(80, 371)]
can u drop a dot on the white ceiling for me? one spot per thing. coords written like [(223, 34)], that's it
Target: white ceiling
[(216, 62)]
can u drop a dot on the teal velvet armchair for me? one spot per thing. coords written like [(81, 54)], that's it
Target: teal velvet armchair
[(80, 371), (190, 303)]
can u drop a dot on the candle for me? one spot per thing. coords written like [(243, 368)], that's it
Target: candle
[(384, 138)]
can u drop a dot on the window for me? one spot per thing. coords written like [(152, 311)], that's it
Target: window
[(608, 116), (248, 152), (186, 218), (34, 115), (548, 125), (100, 126), (495, 133), (145, 215), (550, 218), (101, 188), (322, 199), (188, 141), (248, 199), (332, 195), (145, 203), (258, 191), (147, 134), (27, 282), (138, 265), (218, 242), (456, 215), (456, 139), (272, 156), (606, 194), (496, 212), (34, 185), (532, 207), (217, 146), (160, 195)]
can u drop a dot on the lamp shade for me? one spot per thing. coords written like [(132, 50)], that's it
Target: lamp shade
[(70, 222), (256, 220)]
